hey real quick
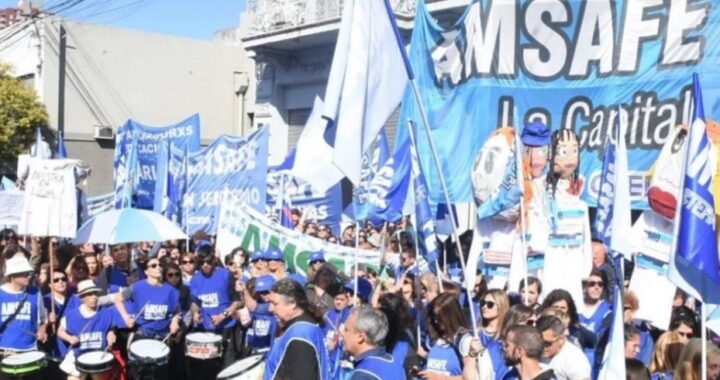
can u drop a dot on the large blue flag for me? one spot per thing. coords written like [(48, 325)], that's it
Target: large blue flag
[(427, 239), (694, 264), (613, 211), (613, 361)]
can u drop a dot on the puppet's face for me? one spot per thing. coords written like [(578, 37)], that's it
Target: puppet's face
[(566, 155), (538, 160)]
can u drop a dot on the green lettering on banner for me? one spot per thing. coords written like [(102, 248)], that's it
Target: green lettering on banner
[(252, 236)]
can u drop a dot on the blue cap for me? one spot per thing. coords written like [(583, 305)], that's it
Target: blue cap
[(297, 277), (536, 134), (264, 283), (317, 256), (274, 253), (364, 288), (257, 255)]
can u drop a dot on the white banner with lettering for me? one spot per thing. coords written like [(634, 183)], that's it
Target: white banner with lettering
[(50, 206)]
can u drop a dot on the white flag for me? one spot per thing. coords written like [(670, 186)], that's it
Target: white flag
[(313, 157), (367, 80)]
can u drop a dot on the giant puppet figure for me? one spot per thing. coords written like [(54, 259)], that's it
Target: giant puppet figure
[(536, 140), (497, 193), (568, 256)]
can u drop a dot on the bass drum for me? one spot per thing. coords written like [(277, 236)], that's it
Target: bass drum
[(250, 368)]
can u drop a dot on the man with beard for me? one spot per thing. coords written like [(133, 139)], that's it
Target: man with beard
[(522, 348)]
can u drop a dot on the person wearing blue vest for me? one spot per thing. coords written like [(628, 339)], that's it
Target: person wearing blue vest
[(263, 326), (215, 299), (364, 334), (122, 273), (23, 316), (334, 319), (275, 262), (258, 264), (299, 352), (85, 328), (62, 300), (158, 309)]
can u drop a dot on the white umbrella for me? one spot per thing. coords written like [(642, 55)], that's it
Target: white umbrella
[(128, 225)]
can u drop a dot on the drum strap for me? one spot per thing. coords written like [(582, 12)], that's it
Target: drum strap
[(12, 317)]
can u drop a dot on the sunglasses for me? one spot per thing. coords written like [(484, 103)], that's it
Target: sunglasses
[(591, 284), (153, 265), (59, 279), (489, 304), (551, 342), (684, 334), (26, 274), (208, 261), (188, 262), (173, 274)]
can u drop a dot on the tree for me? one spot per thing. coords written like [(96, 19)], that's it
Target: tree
[(20, 114)]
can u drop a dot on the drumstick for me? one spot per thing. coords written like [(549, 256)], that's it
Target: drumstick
[(166, 338), (140, 311)]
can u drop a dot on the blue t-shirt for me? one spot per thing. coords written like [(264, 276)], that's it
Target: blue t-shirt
[(60, 347), (19, 334), (157, 305), (91, 331), (213, 296)]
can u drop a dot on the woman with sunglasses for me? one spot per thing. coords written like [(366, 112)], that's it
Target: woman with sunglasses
[(450, 353), (157, 305), (494, 306), (187, 265), (64, 300), (595, 315)]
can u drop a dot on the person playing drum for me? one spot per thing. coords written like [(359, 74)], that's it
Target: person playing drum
[(299, 352), (23, 319), (85, 328), (214, 301), (157, 305)]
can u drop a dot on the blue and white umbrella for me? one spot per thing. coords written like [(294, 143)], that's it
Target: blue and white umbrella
[(127, 225)]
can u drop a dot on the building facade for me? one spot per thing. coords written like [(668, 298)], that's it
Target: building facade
[(291, 43), (115, 74)]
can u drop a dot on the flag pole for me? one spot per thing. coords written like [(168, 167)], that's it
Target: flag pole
[(357, 259), (703, 335)]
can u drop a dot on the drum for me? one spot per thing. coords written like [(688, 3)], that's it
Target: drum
[(250, 368), (203, 345), (94, 362), (149, 352), (23, 363)]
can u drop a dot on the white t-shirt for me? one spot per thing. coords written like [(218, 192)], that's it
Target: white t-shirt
[(570, 363)]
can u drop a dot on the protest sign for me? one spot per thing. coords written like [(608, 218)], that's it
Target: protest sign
[(11, 206), (50, 204), (149, 139), (571, 64), (242, 226), (231, 169)]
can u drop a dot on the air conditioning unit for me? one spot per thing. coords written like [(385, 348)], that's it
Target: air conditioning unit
[(104, 133)]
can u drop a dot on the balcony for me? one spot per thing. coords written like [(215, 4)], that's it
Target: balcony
[(299, 24)]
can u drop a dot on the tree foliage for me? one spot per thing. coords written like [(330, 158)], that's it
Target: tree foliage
[(20, 114)]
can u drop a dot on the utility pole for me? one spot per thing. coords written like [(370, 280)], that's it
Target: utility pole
[(61, 81)]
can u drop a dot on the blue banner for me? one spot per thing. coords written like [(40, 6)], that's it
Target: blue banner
[(571, 64), (301, 195), (149, 139), (231, 169), (388, 190)]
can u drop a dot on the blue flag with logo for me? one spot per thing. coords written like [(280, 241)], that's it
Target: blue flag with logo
[(149, 142), (387, 191), (230, 169), (373, 159), (570, 63), (694, 264), (427, 239)]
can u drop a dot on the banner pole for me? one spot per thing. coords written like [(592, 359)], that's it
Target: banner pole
[(456, 236), (703, 335), (357, 259)]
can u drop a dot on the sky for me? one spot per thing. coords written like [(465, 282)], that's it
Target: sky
[(186, 18)]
